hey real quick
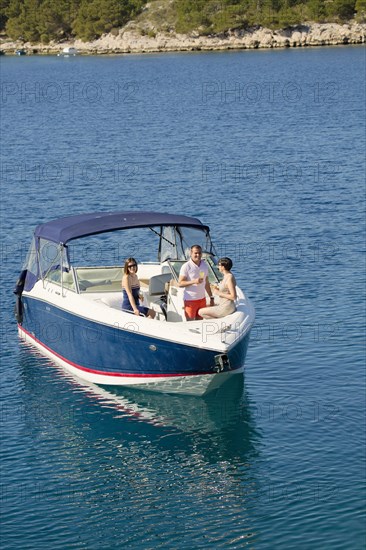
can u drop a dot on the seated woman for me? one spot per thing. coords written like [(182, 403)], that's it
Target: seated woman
[(131, 290), (225, 291)]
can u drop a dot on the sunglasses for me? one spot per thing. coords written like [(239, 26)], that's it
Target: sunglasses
[(131, 265)]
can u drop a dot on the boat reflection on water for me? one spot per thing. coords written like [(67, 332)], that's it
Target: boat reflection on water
[(217, 427), (176, 461), (184, 412), (219, 423)]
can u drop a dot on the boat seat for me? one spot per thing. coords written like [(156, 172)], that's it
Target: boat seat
[(112, 301), (157, 284)]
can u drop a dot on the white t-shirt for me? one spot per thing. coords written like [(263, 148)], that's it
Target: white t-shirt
[(190, 271)]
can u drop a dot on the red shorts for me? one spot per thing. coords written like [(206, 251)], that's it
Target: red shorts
[(191, 308)]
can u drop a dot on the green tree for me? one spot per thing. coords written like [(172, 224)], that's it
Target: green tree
[(231, 15), (100, 16), (4, 6), (316, 10), (341, 9), (360, 7), (43, 20), (55, 19), (191, 15), (22, 22)]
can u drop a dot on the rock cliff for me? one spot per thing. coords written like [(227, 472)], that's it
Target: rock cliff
[(131, 39)]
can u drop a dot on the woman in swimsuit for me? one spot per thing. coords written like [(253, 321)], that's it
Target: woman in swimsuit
[(226, 291), (131, 290)]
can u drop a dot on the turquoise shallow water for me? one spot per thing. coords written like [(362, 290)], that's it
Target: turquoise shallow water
[(266, 147)]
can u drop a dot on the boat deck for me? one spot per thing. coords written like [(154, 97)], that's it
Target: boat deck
[(104, 285)]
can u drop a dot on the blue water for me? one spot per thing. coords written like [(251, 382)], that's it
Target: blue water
[(268, 148)]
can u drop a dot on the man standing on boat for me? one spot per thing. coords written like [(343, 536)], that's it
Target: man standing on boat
[(193, 277)]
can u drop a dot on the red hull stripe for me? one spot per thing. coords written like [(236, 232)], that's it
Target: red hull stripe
[(103, 373)]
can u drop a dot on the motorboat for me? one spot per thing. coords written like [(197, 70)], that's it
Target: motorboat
[(68, 51), (69, 303)]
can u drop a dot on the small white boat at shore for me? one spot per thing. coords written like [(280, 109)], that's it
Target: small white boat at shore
[(72, 312), (68, 52)]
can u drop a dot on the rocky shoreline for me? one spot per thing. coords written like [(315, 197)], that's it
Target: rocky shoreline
[(132, 39)]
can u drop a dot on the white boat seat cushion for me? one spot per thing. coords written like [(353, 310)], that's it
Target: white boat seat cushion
[(112, 301), (157, 284)]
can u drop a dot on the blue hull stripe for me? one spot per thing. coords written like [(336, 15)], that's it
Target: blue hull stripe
[(103, 349), (104, 373)]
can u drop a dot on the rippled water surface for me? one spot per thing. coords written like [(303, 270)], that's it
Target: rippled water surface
[(266, 147)]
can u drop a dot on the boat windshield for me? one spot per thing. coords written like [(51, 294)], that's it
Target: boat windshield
[(176, 242), (45, 260), (214, 275), (31, 266)]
